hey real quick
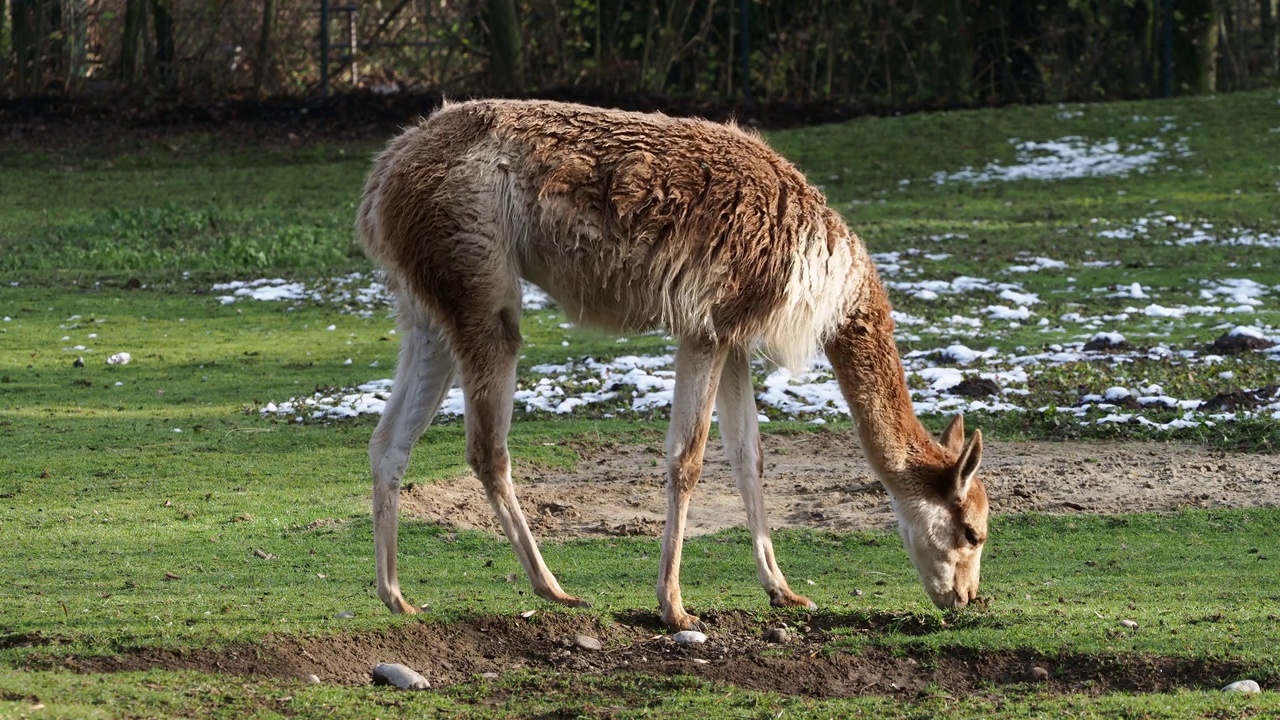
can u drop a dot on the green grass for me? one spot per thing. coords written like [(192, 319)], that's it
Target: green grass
[(101, 496)]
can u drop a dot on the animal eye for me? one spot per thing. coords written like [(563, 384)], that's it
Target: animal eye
[(971, 535)]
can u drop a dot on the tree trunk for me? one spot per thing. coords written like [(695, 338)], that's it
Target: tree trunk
[(162, 15), (4, 46), (1270, 37), (263, 61), (134, 15), (506, 50), (27, 32), (948, 42), (1195, 52)]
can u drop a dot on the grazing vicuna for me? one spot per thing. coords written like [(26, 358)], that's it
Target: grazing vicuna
[(634, 222)]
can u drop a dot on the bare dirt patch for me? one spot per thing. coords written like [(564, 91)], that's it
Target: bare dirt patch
[(735, 654), (821, 480)]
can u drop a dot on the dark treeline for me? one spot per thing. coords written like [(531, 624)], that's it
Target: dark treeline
[(871, 52)]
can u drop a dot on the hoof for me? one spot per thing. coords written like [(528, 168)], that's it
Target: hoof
[(684, 621), (566, 600), (790, 599), (400, 607)]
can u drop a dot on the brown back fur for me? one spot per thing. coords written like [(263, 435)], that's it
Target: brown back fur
[(629, 221)]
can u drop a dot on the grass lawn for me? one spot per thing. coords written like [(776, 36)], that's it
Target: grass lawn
[(160, 507)]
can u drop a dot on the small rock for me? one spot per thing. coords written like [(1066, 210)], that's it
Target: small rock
[(345, 615), (400, 676), (313, 679), (857, 592), (689, 637), (1129, 624), (586, 642), (776, 635), (489, 675), (1243, 686), (1039, 674), (701, 661), (122, 358)]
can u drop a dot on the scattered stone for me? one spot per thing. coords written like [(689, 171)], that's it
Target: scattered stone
[(122, 358), (586, 642), (701, 661), (689, 637), (345, 615), (400, 676), (1129, 624), (857, 592), (974, 387), (313, 679), (778, 635), (489, 675), (1243, 686), (1039, 674)]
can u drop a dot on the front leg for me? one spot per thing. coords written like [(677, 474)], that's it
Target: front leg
[(698, 366), (740, 430)]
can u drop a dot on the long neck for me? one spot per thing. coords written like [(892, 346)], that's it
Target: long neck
[(867, 366)]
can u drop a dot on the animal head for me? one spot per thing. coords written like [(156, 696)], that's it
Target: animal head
[(942, 517)]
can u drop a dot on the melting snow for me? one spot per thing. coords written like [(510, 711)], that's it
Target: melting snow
[(1071, 157)]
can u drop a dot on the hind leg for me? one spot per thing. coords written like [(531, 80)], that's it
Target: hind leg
[(423, 376), (487, 351), (740, 430)]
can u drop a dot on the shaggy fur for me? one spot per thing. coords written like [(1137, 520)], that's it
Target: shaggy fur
[(634, 222)]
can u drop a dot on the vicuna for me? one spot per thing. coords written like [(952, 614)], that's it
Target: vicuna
[(634, 222)]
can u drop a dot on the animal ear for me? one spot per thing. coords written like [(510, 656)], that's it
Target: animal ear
[(953, 437), (966, 468)]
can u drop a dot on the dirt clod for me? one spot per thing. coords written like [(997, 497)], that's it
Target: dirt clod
[(1039, 674), (779, 635), (1232, 344)]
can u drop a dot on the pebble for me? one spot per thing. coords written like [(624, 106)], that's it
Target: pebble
[(400, 676), (1129, 624), (122, 358), (701, 661), (1243, 686), (689, 637), (776, 635), (345, 615), (1038, 673), (586, 642), (313, 679)]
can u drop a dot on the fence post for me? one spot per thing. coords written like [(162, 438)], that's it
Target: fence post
[(744, 30), (324, 48)]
